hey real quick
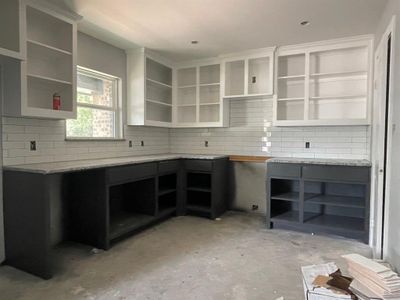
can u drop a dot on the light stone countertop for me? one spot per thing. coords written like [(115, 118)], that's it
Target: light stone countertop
[(80, 165), (322, 161)]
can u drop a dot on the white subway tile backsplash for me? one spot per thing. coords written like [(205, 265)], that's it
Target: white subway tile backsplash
[(52, 146), (250, 133)]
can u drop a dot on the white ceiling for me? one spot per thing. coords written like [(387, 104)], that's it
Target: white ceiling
[(222, 26)]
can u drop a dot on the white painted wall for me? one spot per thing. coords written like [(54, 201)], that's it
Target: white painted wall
[(393, 242)]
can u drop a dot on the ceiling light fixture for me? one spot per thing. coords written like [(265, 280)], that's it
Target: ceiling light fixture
[(305, 23), (194, 42)]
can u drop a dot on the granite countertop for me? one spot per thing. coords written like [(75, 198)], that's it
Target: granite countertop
[(321, 161), (80, 165)]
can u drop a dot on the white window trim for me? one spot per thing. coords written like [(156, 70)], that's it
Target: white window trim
[(116, 106)]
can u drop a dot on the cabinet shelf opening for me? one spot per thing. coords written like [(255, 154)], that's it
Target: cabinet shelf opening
[(131, 205), (284, 211), (197, 200), (167, 202), (285, 189), (199, 180), (167, 183), (158, 73)]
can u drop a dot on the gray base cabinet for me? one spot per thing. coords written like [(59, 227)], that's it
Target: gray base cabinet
[(102, 206), (319, 199)]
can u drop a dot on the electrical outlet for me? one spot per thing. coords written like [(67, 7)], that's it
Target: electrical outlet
[(254, 207), (205, 143), (254, 79), (142, 143), (307, 145), (130, 144), (33, 145)]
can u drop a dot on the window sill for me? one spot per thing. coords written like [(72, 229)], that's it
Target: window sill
[(73, 139)]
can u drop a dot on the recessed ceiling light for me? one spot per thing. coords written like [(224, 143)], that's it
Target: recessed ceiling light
[(305, 23), (194, 42)]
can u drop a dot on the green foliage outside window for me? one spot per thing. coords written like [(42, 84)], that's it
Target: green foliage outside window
[(83, 125)]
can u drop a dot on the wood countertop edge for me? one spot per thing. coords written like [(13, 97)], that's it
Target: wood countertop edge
[(249, 158)]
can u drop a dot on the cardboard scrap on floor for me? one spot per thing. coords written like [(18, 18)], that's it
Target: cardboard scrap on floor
[(372, 280), (325, 282)]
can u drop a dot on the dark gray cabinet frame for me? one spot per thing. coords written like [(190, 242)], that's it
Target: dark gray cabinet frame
[(303, 173), (28, 197)]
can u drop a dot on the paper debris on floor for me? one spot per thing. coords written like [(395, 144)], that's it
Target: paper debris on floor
[(317, 279), (372, 280)]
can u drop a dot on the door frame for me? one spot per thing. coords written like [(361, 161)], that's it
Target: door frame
[(381, 205)]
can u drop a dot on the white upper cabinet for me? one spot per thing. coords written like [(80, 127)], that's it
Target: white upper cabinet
[(48, 68), (198, 101), (324, 84), (12, 19), (149, 90), (249, 75)]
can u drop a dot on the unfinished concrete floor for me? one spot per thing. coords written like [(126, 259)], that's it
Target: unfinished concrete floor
[(186, 258)]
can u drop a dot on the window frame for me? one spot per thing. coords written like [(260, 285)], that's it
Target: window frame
[(116, 105)]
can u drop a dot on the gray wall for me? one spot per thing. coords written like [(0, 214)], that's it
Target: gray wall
[(248, 186), (100, 56), (393, 8)]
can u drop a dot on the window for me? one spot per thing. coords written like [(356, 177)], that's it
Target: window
[(98, 107)]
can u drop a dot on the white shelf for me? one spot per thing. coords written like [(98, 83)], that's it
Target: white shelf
[(235, 78), (187, 77), (338, 97), (48, 29), (249, 96), (11, 17), (340, 74), (48, 113), (198, 96), (209, 103), (292, 65), (49, 47), (50, 79), (158, 72), (291, 99), (158, 102), (159, 83), (187, 86), (209, 74), (324, 85), (292, 77), (158, 112), (186, 105), (211, 84)]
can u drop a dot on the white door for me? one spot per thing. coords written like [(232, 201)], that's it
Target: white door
[(381, 133), (2, 252)]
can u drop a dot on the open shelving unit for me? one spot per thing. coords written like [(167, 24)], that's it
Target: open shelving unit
[(322, 203), (49, 46), (50, 66), (132, 205), (167, 193), (249, 76), (324, 85), (150, 89), (158, 92), (12, 41), (198, 192), (187, 95), (285, 199), (198, 97), (336, 205)]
